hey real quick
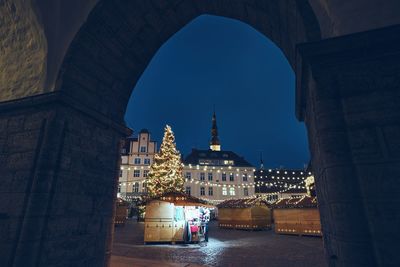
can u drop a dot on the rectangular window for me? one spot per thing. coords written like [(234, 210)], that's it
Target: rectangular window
[(223, 177), (245, 191), (232, 191), (210, 176), (224, 191), (231, 177), (136, 173), (188, 189), (210, 191), (120, 173), (244, 177), (202, 191), (146, 161), (188, 175), (145, 173), (137, 160), (143, 149), (202, 176)]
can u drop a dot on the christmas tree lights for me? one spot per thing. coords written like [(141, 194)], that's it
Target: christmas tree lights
[(165, 173)]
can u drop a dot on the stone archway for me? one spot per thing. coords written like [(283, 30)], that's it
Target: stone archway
[(62, 147)]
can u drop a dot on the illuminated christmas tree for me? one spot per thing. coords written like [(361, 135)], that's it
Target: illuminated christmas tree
[(165, 173)]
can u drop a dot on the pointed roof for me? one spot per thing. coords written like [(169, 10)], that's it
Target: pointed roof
[(214, 131)]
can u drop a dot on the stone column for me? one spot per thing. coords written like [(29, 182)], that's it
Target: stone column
[(58, 162), (348, 94)]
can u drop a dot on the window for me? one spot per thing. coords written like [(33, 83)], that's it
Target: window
[(202, 176), (223, 176), (119, 189), (137, 160), (188, 175), (231, 177), (210, 176), (245, 191), (144, 187), (202, 191), (120, 173), (142, 149), (136, 173), (135, 188), (210, 191), (146, 161), (123, 150), (145, 173), (244, 177), (232, 191), (188, 189), (224, 191)]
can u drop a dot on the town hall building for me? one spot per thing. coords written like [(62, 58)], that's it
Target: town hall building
[(217, 175)]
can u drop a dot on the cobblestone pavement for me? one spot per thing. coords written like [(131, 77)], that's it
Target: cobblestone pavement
[(225, 248)]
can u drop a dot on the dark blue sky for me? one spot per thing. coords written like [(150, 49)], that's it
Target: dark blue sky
[(226, 63)]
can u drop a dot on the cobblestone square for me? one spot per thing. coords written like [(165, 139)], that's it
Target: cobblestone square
[(225, 248)]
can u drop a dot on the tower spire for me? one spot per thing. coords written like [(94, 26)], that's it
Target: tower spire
[(214, 143), (261, 161)]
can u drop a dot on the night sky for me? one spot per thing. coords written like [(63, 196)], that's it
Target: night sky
[(226, 63)]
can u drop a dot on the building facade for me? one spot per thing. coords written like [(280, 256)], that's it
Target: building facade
[(136, 157), (274, 184), (217, 175)]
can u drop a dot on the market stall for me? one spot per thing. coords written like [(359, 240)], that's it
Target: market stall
[(176, 217), (297, 216), (247, 213), (121, 211)]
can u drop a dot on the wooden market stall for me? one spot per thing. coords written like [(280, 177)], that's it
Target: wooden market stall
[(297, 216), (121, 211), (246, 213), (170, 218)]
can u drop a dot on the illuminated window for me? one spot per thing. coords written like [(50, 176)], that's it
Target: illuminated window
[(202, 191), (232, 191), (144, 187), (224, 191), (136, 173), (202, 176)]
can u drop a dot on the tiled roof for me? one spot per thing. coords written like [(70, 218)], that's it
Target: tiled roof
[(196, 155), (242, 203), (304, 202)]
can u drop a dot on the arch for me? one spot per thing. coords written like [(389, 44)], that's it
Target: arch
[(114, 46)]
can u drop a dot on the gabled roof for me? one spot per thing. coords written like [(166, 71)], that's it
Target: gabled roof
[(242, 203), (304, 202), (196, 154)]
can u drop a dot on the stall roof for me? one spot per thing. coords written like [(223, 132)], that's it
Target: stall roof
[(182, 199), (304, 202), (242, 203)]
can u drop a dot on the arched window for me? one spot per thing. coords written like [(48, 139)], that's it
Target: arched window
[(135, 188)]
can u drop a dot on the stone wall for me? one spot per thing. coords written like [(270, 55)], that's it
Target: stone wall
[(59, 178), (351, 105), (23, 49)]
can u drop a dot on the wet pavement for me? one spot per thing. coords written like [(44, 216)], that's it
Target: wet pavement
[(225, 248)]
